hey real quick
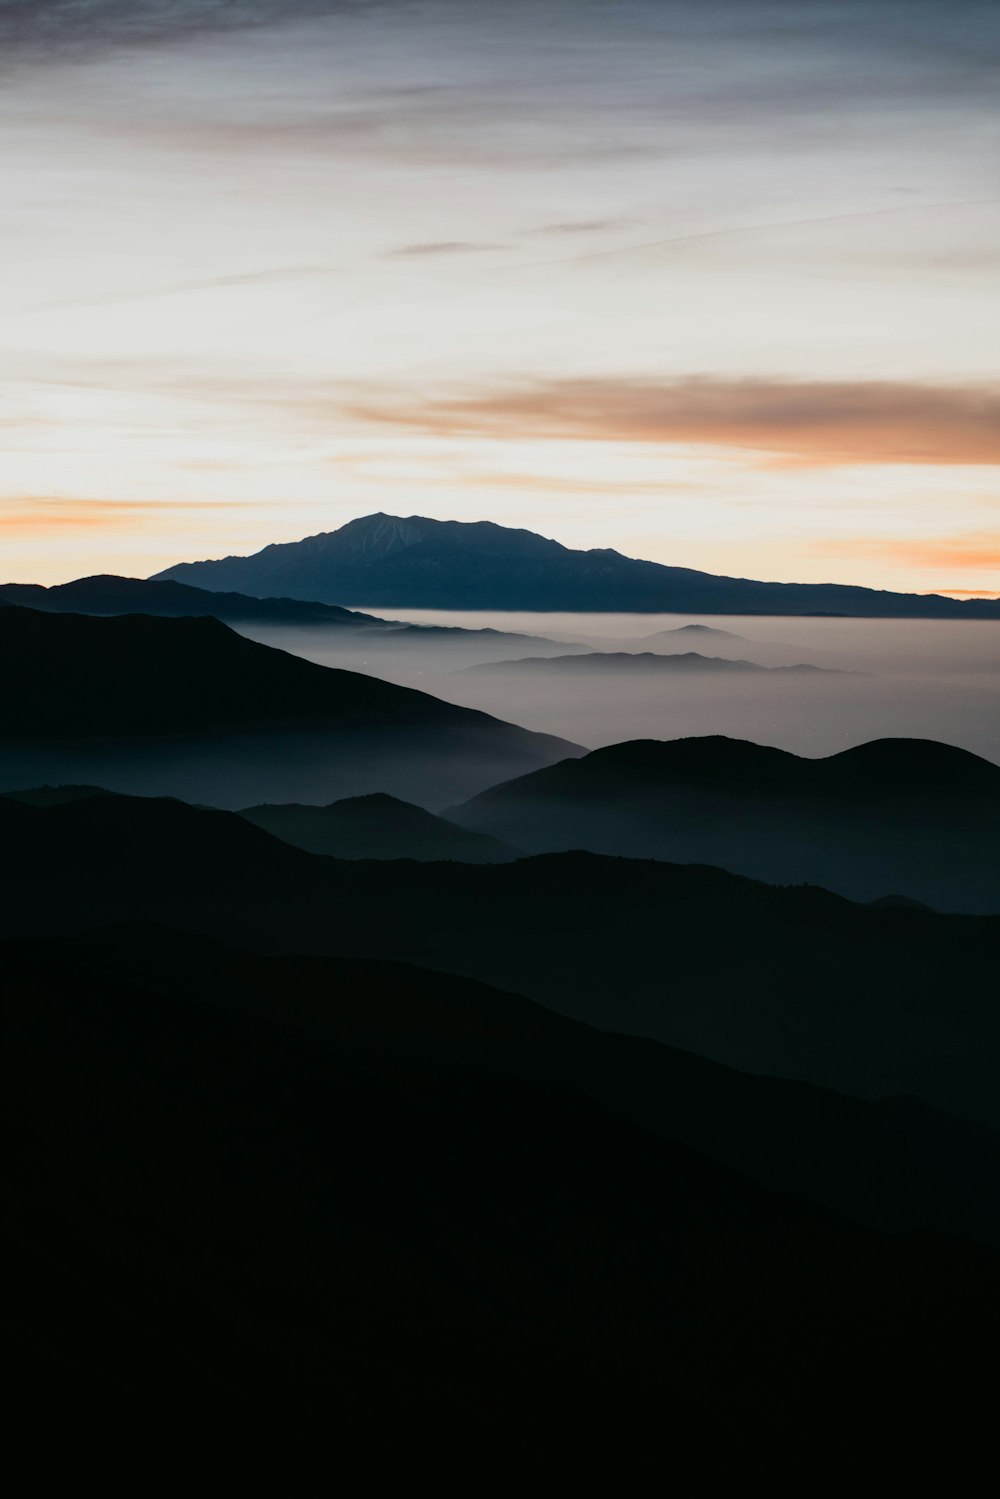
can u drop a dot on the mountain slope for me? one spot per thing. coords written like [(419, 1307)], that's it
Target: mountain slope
[(902, 816), (794, 983), (275, 619), (419, 563), (377, 827), (336, 1187), (106, 593), (187, 707)]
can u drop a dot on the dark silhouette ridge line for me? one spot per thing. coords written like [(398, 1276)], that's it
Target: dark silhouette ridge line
[(109, 594), (415, 562), (409, 1202), (792, 982), (827, 1146), (188, 706), (619, 662), (912, 817), (377, 826)]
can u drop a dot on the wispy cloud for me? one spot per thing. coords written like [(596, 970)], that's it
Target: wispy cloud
[(775, 226), (47, 28), (444, 247), (810, 423), (583, 226), (196, 284)]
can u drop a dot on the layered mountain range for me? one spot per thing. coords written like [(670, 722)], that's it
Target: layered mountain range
[(520, 1119), (109, 594), (902, 816), (188, 707), (288, 1185), (793, 982)]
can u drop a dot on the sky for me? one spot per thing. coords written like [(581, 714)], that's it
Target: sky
[(711, 283)]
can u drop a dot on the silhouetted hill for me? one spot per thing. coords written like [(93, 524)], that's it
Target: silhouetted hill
[(377, 827), (791, 982), (188, 707), (904, 815), (107, 594), (55, 796), (420, 563), (630, 662), (404, 1200), (700, 630)]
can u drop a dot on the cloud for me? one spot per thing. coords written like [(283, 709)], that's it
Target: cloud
[(44, 28), (445, 247), (772, 226), (181, 288), (39, 514), (977, 550), (822, 424), (583, 226)]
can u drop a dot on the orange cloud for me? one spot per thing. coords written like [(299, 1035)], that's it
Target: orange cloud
[(972, 549), (38, 514), (812, 423)]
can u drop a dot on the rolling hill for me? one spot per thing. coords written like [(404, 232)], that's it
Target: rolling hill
[(377, 827), (789, 982), (108, 594), (187, 707), (896, 816), (413, 1204)]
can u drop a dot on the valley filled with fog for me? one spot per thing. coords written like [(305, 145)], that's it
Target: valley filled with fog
[(874, 678)]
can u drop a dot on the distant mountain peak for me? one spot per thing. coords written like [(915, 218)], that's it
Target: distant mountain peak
[(416, 562)]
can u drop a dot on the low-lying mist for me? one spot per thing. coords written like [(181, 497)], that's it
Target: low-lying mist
[(882, 678)]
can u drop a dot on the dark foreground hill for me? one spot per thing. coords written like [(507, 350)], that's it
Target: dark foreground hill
[(55, 796), (391, 1201), (377, 827), (895, 816), (791, 982), (188, 707), (419, 563)]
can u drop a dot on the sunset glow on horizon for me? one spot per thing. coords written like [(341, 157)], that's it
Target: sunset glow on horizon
[(710, 284)]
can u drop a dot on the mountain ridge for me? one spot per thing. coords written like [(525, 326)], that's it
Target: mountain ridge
[(631, 662), (110, 594), (187, 706), (411, 1204), (416, 562), (792, 982), (911, 816), (377, 826)]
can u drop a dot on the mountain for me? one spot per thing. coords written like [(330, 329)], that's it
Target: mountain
[(693, 630), (187, 707), (903, 816), (108, 594), (629, 662), (404, 1203), (794, 983), (388, 561), (55, 796), (377, 826)]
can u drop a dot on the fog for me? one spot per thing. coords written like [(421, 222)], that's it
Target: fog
[(888, 678)]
